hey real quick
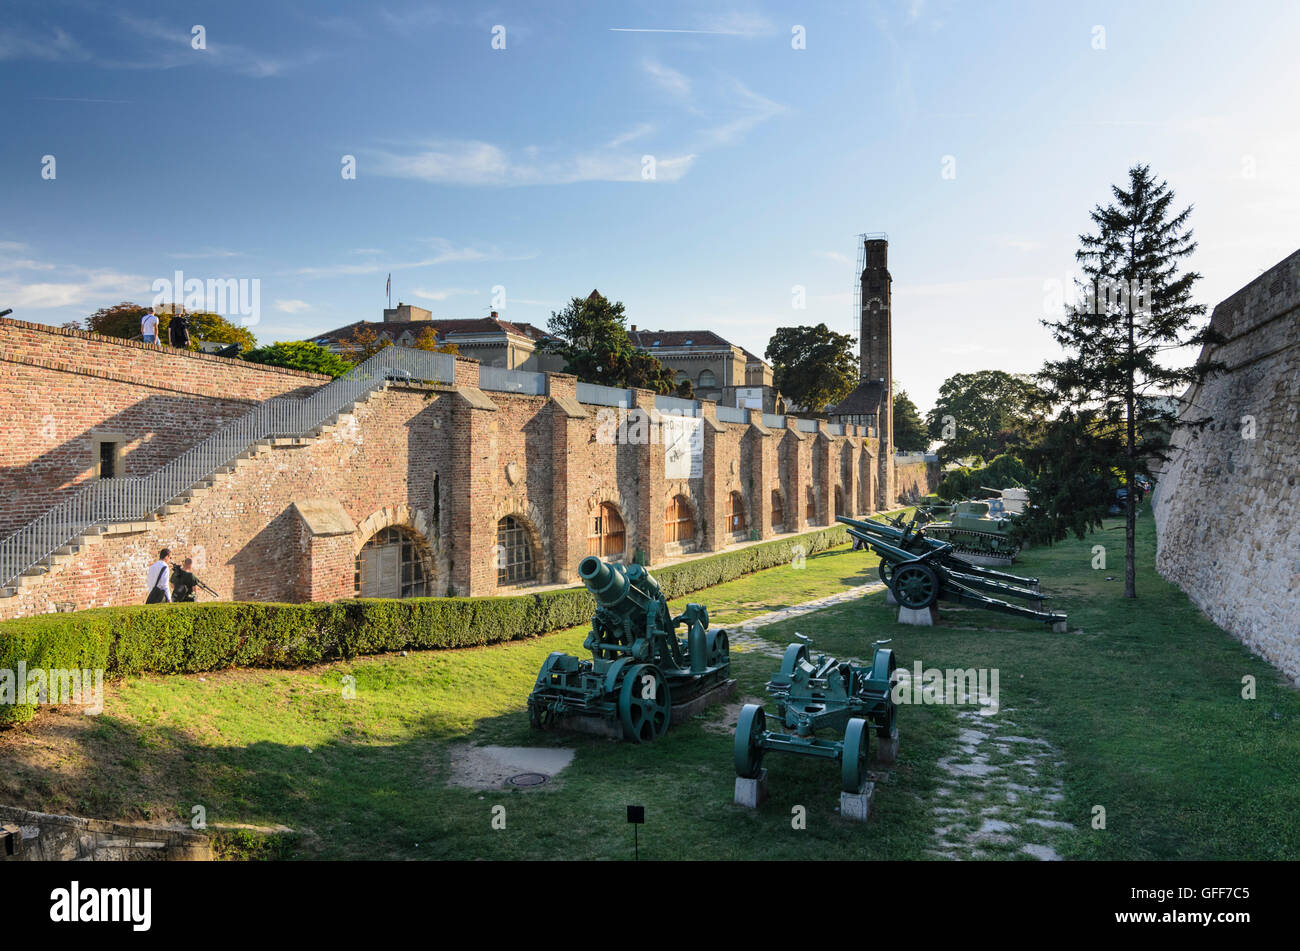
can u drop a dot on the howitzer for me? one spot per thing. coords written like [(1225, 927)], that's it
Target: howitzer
[(639, 667), (827, 694), (920, 571)]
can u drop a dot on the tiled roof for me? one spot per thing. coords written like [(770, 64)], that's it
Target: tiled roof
[(443, 327), (677, 338)]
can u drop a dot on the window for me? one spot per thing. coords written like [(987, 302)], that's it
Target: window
[(607, 538), (390, 566), (679, 524), (107, 459), (514, 552), (707, 378), (735, 513), (778, 510)]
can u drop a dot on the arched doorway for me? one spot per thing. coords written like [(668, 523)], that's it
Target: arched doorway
[(514, 552), (607, 537), (679, 522), (839, 501), (810, 506), (392, 565), (735, 514), (778, 511)]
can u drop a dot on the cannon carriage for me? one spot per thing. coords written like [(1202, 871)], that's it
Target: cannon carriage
[(640, 673), (815, 697), (920, 571)]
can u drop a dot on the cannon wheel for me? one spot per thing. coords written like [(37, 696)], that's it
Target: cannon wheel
[(748, 748), (883, 667), (793, 655), (884, 570), (853, 755), (540, 716), (644, 703), (915, 586), (719, 648)]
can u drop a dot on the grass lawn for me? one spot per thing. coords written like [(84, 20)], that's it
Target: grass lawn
[(1141, 702)]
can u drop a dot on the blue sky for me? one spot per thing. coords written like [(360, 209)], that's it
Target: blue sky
[(522, 167)]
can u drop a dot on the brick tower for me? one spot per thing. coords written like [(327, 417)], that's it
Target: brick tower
[(875, 346)]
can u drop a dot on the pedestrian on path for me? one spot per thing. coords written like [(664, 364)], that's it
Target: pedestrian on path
[(157, 578)]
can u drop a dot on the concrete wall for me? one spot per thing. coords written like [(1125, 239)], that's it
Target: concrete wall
[(445, 463), (912, 480), (1227, 506)]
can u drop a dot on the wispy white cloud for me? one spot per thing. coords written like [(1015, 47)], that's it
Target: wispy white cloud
[(638, 131), (835, 256), (754, 110), (207, 253), (57, 46), (667, 78), (443, 252), (441, 294), (292, 306), (482, 163)]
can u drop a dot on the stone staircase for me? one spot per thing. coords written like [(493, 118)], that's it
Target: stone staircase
[(53, 564)]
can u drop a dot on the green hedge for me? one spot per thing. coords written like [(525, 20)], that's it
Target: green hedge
[(189, 638)]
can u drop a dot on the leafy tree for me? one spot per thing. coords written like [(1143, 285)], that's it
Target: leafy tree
[(1005, 471), (428, 340), (299, 355), (985, 414), (909, 431), (1137, 308), (123, 320), (591, 334), (813, 366), (1074, 485)]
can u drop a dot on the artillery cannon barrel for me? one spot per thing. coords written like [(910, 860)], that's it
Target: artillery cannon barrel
[(618, 588)]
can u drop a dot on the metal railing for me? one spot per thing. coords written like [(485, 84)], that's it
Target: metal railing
[(125, 500), (599, 395), (511, 381), (732, 414)]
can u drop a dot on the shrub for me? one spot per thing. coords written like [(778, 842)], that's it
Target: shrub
[(190, 638)]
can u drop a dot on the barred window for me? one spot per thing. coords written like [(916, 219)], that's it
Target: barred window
[(514, 552), (391, 566)]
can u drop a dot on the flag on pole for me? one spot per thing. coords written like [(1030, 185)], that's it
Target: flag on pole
[(388, 290)]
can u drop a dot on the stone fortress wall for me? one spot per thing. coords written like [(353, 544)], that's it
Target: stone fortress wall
[(1227, 506)]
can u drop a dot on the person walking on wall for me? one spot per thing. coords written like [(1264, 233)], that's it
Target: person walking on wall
[(149, 328), (178, 331), (157, 578)]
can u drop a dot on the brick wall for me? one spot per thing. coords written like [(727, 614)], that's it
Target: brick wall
[(446, 463), (1227, 505), (62, 389), (912, 480)]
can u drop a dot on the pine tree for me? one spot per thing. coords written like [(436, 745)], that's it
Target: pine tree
[(1137, 307)]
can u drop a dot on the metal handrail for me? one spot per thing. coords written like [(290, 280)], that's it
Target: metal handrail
[(123, 500)]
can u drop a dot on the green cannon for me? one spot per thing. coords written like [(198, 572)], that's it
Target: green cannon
[(639, 667), (920, 571), (825, 695)]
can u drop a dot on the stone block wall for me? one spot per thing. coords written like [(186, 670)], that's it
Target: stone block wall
[(1227, 504)]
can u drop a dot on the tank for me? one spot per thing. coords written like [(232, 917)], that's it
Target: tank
[(977, 533)]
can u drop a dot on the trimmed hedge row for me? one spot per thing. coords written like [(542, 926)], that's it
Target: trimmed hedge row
[(190, 638)]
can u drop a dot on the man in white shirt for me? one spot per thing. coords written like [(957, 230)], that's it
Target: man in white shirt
[(149, 328), (158, 578)]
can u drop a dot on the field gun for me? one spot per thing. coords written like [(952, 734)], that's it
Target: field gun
[(827, 694), (920, 571), (639, 667)]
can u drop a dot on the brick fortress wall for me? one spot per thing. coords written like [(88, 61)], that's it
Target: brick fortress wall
[(444, 463), (1227, 506)]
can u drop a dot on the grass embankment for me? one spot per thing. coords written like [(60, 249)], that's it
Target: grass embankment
[(1142, 699)]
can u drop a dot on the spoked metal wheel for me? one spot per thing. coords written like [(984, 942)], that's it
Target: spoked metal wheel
[(853, 757), (748, 748), (644, 704), (540, 716), (915, 586), (719, 648), (884, 569)]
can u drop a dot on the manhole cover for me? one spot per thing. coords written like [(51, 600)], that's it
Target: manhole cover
[(527, 779)]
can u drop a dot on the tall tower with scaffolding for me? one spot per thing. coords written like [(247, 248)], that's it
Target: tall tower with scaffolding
[(871, 400)]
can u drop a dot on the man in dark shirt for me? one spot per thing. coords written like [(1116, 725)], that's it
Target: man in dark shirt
[(184, 582), (178, 330)]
